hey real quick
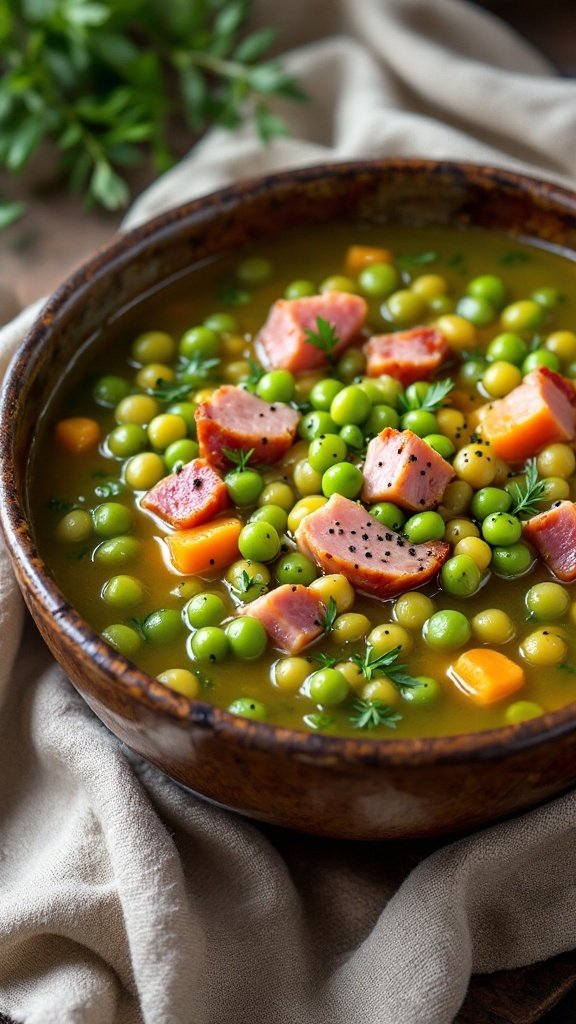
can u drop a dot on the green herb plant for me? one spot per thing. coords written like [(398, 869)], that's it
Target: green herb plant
[(105, 82)]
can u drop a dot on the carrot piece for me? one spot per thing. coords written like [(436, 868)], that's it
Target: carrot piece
[(360, 256), (487, 676), (77, 434), (203, 548)]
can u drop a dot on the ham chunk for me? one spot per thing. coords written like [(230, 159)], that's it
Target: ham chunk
[(282, 340), (406, 355), (553, 534), (342, 537), (402, 468), (234, 418), (292, 615), (538, 412), (193, 496)]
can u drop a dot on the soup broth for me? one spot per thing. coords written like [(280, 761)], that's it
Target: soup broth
[(380, 667)]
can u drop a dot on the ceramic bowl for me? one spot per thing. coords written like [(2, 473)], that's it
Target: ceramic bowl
[(354, 788)]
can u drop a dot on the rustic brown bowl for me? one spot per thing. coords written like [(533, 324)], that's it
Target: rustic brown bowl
[(355, 788)]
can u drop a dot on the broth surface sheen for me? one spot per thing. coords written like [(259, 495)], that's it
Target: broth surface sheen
[(539, 308)]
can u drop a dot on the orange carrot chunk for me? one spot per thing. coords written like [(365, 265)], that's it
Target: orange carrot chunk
[(360, 256), (487, 676), (203, 548), (77, 434)]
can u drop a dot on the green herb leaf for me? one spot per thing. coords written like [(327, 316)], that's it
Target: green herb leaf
[(325, 660), (432, 400), (256, 372), (330, 616), (369, 714), (232, 295), (61, 504), (10, 212), (109, 490), (239, 457), (418, 259), (568, 668), (324, 337), (527, 497), (318, 721), (514, 258), (370, 665)]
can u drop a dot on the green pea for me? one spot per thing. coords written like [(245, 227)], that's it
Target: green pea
[(351, 364), (323, 393), (186, 410), (522, 711), (205, 610), (547, 601), (153, 347), (424, 526), (222, 323), (404, 308), (210, 643), (259, 541), (479, 311), (272, 514), (379, 280), (387, 390), (75, 527), (180, 452), (300, 289), (501, 529), (338, 283), (328, 687), (344, 479), (389, 515), (123, 592), (200, 341), (248, 707), (127, 440), (472, 370), (416, 393), (513, 560), (460, 576), (254, 270), (489, 287), (447, 630), (488, 500), (351, 405), (441, 305), (117, 550), (353, 436), (313, 424), (123, 639), (524, 315), (248, 580), (296, 568), (276, 386), (420, 422), (381, 416), (110, 389), (244, 486), (111, 519), (540, 357), (326, 451), (247, 637), (163, 626), (507, 348), (427, 692), (548, 298), (441, 444)]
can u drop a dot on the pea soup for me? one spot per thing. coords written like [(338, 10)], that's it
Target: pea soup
[(329, 484)]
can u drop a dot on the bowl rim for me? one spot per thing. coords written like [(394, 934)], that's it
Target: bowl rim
[(122, 674)]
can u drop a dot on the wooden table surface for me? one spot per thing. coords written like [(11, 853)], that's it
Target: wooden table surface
[(57, 234)]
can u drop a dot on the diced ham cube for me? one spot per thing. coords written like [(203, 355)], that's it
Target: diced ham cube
[(341, 537), (292, 615), (406, 355), (282, 341), (402, 468), (193, 496), (540, 411), (234, 418), (553, 534)]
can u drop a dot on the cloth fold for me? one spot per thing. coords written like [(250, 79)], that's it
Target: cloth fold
[(124, 898)]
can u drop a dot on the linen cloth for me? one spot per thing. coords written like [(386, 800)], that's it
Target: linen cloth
[(125, 899)]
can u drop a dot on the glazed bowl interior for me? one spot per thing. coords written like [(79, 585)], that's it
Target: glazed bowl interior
[(136, 264)]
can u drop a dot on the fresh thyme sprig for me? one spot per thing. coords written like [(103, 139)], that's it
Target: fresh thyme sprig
[(239, 457), (371, 713), (417, 259), (431, 401), (528, 496), (330, 616), (386, 664), (325, 337), (105, 81)]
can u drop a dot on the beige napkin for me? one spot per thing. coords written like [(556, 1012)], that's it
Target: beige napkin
[(123, 898)]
